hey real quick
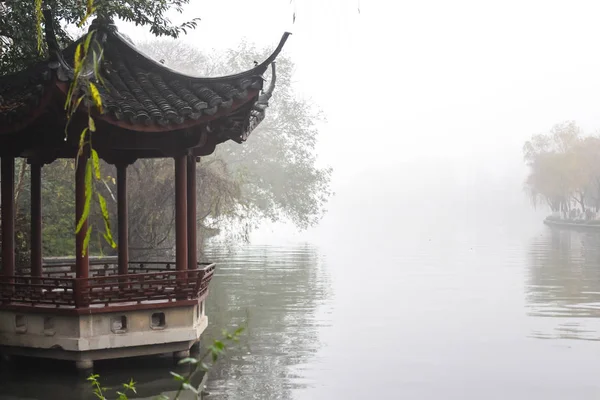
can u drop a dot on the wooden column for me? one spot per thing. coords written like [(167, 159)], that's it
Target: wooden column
[(191, 213), (122, 217), (181, 213), (8, 215), (81, 262), (36, 218)]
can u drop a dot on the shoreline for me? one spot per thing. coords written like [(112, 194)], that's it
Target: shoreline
[(572, 225)]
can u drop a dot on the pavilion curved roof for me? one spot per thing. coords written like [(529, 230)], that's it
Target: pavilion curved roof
[(140, 94)]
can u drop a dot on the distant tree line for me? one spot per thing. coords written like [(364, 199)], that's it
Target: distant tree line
[(564, 170)]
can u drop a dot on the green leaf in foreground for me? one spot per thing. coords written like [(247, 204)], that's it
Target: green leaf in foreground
[(188, 360), (86, 240), (178, 377), (88, 195), (96, 161)]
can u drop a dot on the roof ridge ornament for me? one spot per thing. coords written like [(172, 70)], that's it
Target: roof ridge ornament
[(103, 24), (50, 35), (57, 61), (64, 70)]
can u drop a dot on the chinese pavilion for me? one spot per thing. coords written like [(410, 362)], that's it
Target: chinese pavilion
[(83, 311)]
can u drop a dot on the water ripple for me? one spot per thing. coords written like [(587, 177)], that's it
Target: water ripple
[(563, 283), (281, 291)]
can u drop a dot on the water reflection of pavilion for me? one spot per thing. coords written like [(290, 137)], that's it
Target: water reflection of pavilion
[(284, 293), (55, 380), (563, 284)]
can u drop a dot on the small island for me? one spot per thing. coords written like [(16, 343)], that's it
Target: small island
[(572, 223), (564, 175)]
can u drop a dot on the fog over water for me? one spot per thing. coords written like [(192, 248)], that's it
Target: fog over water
[(443, 282), (430, 276)]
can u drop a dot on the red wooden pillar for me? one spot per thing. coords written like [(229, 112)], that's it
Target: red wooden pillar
[(8, 215), (81, 261), (191, 213), (36, 218), (181, 230), (122, 217)]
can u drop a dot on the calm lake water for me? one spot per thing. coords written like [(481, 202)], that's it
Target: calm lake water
[(501, 310)]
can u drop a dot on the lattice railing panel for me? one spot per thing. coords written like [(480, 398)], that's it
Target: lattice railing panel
[(146, 282)]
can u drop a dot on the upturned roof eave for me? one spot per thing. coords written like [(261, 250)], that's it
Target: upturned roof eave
[(257, 70)]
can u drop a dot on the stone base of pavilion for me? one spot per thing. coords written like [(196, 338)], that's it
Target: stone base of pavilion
[(85, 339), (154, 309)]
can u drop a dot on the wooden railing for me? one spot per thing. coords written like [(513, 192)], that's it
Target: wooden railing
[(147, 282), (36, 291), (102, 268)]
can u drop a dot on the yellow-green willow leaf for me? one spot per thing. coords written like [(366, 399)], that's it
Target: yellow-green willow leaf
[(88, 195), (96, 161), (86, 241), (96, 96)]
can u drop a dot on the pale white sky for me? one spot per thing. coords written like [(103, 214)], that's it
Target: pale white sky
[(448, 84), (410, 79)]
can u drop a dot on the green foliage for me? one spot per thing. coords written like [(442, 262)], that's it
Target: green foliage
[(19, 18), (128, 387), (58, 199), (88, 195), (198, 365), (38, 22), (106, 218), (97, 389), (84, 90)]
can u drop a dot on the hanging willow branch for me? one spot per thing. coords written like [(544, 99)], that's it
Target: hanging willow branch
[(83, 90), (38, 19)]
